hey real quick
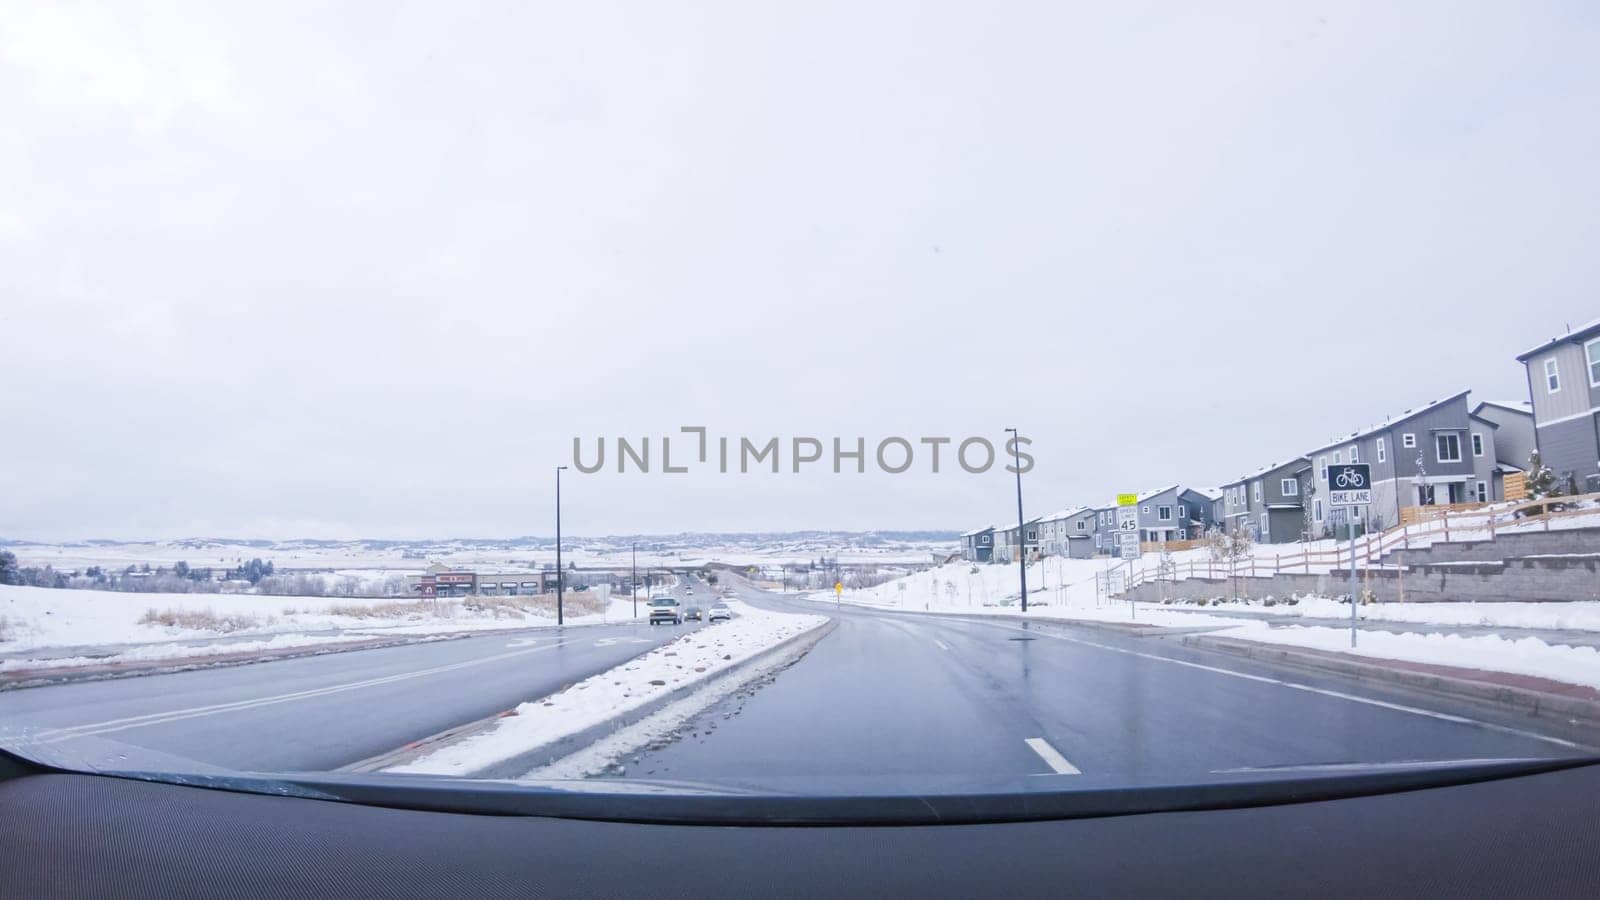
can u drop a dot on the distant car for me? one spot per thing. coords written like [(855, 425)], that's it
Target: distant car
[(720, 613), (689, 591), (692, 614), (665, 610)]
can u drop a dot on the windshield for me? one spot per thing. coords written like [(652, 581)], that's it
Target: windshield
[(1057, 398)]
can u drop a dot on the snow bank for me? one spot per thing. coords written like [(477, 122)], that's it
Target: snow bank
[(688, 660), (1577, 615), (39, 618), (173, 652), (1523, 656)]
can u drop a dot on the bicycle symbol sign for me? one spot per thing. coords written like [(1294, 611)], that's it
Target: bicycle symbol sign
[(1350, 485)]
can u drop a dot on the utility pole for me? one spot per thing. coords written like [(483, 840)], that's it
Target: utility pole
[(1022, 534), (633, 584), (560, 574)]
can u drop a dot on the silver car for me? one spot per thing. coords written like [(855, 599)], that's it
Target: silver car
[(719, 613)]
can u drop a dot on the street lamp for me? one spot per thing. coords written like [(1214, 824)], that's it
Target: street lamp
[(560, 575), (633, 583), (1022, 534)]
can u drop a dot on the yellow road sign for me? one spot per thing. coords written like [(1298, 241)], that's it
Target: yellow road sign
[(1127, 499), (838, 588)]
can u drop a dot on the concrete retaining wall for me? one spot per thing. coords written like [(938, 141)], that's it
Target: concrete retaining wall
[(1505, 546), (1550, 578)]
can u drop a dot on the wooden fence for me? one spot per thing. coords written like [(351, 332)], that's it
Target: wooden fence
[(1369, 548)]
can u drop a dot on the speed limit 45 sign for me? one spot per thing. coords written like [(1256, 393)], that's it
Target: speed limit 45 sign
[(1350, 485)]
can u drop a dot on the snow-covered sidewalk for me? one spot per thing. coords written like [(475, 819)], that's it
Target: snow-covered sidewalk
[(672, 667)]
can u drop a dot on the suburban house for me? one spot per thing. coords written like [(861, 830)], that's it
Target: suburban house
[(1564, 383), (1421, 457), (1163, 516), (1513, 436), (1269, 503), (1005, 541), (1105, 530), (978, 545), (1068, 532), (1210, 504)]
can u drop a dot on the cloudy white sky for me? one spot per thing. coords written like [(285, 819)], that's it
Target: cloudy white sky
[(346, 270)]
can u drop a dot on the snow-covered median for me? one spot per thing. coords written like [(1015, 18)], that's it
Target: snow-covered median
[(668, 669)]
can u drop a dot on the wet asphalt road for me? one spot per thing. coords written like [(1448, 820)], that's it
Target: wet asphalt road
[(313, 713), (900, 701)]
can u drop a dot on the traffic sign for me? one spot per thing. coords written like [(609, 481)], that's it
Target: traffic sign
[(1350, 484), (838, 587), (1129, 547), (1127, 499)]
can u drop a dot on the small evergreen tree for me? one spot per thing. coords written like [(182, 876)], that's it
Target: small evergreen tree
[(1541, 481)]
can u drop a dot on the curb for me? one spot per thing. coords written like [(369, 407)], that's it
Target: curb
[(1525, 700), (553, 750)]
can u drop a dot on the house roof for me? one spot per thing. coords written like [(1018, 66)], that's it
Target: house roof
[(1067, 513), (1507, 468), (1210, 493), (1161, 490), (1480, 419), (977, 531), (1583, 333), (1271, 467), (1390, 422), (1521, 407)]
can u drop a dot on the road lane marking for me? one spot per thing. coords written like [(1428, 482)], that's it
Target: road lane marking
[(57, 735), (942, 644), (1052, 757), (1326, 692)]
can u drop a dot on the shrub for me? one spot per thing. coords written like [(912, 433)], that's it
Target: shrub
[(201, 620)]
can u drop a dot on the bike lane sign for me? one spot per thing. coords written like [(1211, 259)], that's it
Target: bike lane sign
[(1350, 485)]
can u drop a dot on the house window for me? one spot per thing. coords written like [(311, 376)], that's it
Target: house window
[(1183, 510), (1322, 468), (1552, 376), (1147, 510), (1483, 492), (1033, 535), (1290, 487), (1408, 441), (1183, 534), (1337, 458), (984, 539), (1592, 353), (1382, 454), (1316, 510), (1255, 491), (1164, 513), (1355, 455), (1082, 523), (1448, 446), (1477, 444), (1097, 541), (1266, 532)]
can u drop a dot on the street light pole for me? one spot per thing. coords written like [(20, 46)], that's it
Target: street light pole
[(633, 582), (560, 575), (1022, 534)]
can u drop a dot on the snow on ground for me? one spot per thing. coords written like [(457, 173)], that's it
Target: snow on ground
[(689, 660), (173, 652), (1579, 615), (1524, 656), (1065, 589), (36, 619)]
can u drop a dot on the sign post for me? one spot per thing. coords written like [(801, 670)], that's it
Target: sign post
[(838, 593), (1128, 541), (1350, 486)]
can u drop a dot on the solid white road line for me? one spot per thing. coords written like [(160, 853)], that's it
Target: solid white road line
[(55, 735), (942, 644), (1052, 757), (1292, 685)]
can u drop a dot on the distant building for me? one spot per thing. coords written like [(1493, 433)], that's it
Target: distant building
[(443, 581), (978, 545)]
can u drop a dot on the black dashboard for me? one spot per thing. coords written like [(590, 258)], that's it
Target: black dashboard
[(80, 835)]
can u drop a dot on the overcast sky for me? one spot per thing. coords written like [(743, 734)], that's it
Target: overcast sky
[(357, 270)]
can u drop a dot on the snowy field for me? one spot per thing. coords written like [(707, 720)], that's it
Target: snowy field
[(384, 558), (1066, 589), (33, 620), (687, 661)]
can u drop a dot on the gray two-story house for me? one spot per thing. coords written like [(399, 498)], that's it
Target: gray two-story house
[(1006, 542), (1068, 532), (978, 545), (1269, 503), (1420, 457), (1564, 385)]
